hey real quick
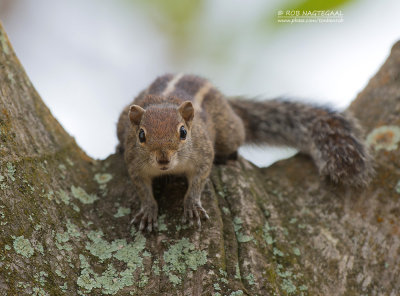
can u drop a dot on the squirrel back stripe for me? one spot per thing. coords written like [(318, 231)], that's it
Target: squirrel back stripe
[(201, 94), (184, 87), (191, 84), (159, 85), (171, 85)]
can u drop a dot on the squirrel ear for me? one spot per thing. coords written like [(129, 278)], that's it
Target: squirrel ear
[(187, 111), (135, 114)]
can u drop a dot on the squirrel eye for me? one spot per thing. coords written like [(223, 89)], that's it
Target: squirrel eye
[(142, 137), (182, 133)]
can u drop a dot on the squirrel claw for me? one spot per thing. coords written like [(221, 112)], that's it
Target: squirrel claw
[(147, 217), (194, 214)]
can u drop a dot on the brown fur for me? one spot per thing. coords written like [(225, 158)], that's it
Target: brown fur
[(217, 127)]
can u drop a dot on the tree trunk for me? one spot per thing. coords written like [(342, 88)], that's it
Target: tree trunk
[(65, 218)]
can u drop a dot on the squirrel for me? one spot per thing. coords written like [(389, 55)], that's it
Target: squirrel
[(181, 123)]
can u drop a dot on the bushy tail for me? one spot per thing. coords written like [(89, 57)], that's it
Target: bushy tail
[(332, 139)]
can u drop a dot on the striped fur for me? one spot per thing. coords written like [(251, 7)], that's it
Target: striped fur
[(218, 128)]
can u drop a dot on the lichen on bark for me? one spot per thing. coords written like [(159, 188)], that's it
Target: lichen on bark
[(65, 218)]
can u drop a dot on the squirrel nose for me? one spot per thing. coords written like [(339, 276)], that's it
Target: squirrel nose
[(163, 157), (163, 161)]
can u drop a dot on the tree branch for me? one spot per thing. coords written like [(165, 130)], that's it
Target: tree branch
[(65, 218)]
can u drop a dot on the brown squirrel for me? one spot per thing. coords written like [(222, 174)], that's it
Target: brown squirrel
[(181, 123)]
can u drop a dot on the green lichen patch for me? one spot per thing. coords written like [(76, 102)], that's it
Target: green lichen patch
[(122, 211), (39, 248), (3, 185), (288, 278), (155, 267), (64, 287), (50, 195), (23, 246), (397, 187), (101, 248), (63, 196), (250, 279), (302, 226), (62, 237), (75, 207), (62, 167), (23, 285), (180, 257), (61, 241), (72, 229), (241, 238), (267, 235), (385, 137), (87, 279), (226, 210), (131, 253), (303, 288), (288, 286), (37, 291), (119, 249), (161, 223), (69, 161), (11, 171), (41, 277), (296, 251), (80, 194), (102, 178), (277, 252), (237, 272), (60, 274), (111, 280), (237, 293)]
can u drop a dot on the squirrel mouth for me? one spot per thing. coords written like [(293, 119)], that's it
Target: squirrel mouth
[(163, 168)]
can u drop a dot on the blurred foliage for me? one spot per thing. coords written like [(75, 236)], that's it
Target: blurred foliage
[(183, 23), (174, 17)]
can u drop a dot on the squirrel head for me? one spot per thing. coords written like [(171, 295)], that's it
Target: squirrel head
[(162, 131)]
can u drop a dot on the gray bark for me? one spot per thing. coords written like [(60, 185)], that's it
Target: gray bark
[(281, 230)]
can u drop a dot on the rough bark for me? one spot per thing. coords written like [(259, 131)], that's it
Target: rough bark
[(281, 230)]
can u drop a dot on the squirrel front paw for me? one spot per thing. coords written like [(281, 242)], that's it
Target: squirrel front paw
[(147, 217), (193, 210)]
